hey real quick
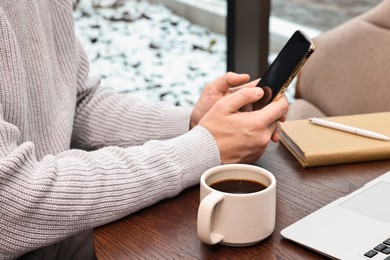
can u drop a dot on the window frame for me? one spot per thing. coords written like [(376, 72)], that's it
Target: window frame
[(247, 34)]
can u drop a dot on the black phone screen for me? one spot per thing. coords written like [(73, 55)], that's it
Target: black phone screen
[(286, 65)]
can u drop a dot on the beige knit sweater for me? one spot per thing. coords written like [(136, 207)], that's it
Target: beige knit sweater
[(74, 156)]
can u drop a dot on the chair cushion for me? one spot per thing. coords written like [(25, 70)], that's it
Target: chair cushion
[(301, 109)]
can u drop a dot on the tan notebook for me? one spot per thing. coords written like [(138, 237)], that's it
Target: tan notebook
[(314, 145)]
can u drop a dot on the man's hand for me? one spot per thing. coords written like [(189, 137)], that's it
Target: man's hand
[(216, 90), (242, 137)]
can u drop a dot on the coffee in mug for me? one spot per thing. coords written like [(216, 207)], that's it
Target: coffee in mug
[(237, 205), (238, 186)]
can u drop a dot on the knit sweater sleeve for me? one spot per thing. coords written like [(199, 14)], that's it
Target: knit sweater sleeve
[(104, 117), (43, 201)]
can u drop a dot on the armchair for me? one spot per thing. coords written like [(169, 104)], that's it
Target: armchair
[(349, 73)]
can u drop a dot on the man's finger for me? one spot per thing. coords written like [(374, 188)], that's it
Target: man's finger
[(242, 97), (275, 110), (251, 84), (229, 80)]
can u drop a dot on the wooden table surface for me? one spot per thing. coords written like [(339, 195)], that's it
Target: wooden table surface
[(167, 230)]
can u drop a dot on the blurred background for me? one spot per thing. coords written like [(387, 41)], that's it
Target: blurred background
[(170, 49)]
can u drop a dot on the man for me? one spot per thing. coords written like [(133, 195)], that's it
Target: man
[(74, 156)]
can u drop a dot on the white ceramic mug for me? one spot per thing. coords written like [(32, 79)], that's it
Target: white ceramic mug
[(236, 219)]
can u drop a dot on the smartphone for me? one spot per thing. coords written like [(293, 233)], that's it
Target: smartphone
[(284, 68)]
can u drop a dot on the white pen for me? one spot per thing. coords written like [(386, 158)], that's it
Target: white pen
[(346, 128)]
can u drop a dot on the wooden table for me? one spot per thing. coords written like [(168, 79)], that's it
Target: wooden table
[(167, 230)]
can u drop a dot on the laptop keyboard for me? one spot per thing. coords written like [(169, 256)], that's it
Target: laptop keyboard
[(382, 248)]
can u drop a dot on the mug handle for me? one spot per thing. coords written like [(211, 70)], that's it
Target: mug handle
[(205, 212)]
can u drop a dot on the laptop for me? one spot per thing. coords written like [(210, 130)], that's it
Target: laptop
[(356, 226)]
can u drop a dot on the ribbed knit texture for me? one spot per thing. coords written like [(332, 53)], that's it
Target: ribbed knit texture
[(74, 156)]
